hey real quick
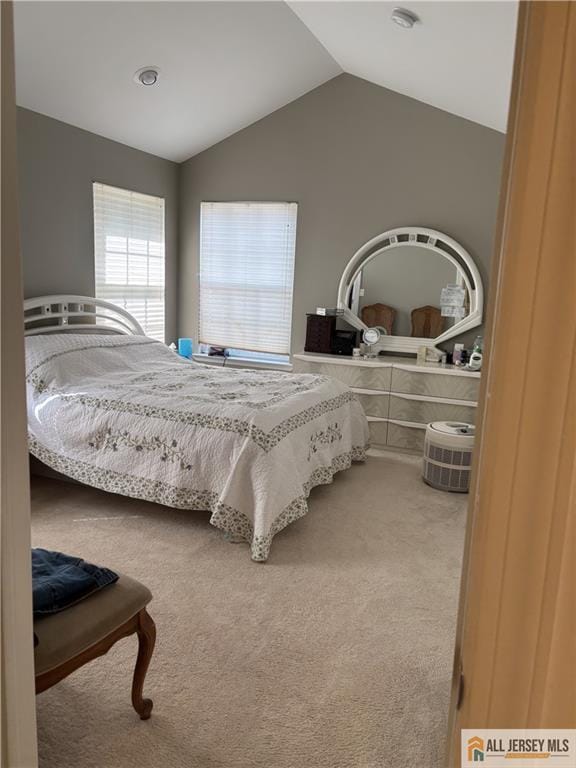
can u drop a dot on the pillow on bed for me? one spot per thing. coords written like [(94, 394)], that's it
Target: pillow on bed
[(100, 355)]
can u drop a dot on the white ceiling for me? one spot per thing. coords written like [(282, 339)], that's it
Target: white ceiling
[(459, 58), (225, 65)]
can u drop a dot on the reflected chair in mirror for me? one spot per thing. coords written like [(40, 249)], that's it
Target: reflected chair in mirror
[(427, 322), (378, 315)]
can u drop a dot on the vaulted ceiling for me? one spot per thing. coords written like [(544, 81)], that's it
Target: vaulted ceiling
[(224, 65), (458, 57)]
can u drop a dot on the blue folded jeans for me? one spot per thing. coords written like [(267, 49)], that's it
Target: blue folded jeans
[(59, 581)]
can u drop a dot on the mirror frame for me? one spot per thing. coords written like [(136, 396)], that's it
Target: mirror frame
[(434, 241)]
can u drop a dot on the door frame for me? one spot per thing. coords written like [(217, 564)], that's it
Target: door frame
[(17, 697)]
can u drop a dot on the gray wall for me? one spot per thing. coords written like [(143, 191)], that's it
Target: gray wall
[(358, 159), (57, 165)]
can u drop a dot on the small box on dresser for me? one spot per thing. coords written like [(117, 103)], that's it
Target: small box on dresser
[(319, 332)]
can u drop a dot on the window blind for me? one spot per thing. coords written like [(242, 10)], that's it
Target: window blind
[(246, 275), (129, 254)]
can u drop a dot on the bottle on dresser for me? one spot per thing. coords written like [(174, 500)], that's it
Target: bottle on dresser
[(475, 360), (457, 354)]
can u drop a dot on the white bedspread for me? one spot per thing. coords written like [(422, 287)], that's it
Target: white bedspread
[(128, 415)]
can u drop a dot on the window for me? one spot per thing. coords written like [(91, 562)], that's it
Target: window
[(247, 275), (129, 254)]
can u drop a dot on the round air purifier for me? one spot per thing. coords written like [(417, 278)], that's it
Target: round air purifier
[(448, 449)]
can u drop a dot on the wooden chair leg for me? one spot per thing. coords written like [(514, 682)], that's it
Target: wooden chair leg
[(146, 631)]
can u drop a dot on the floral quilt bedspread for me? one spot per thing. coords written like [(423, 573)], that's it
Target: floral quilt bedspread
[(128, 415)]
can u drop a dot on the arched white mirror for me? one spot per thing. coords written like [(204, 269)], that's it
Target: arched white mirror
[(417, 286)]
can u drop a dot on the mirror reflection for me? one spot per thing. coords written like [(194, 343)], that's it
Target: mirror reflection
[(410, 291)]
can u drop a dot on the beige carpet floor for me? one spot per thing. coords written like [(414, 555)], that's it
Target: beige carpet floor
[(336, 653)]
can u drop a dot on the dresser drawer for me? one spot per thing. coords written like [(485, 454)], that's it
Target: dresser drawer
[(462, 387), (374, 405), (425, 411), (361, 376), (410, 438), (378, 432)]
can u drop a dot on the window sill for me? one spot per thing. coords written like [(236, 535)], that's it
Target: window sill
[(241, 362)]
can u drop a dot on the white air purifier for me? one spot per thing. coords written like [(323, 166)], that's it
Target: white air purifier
[(448, 447)]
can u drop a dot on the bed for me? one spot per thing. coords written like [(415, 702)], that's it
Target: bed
[(116, 410)]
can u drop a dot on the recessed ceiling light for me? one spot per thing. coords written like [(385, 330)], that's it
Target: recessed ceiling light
[(404, 18), (147, 76)]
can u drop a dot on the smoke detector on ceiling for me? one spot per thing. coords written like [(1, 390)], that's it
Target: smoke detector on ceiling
[(147, 76), (404, 18)]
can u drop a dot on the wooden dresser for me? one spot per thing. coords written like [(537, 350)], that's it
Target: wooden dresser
[(400, 397)]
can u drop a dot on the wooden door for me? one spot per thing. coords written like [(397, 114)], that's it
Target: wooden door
[(516, 642)]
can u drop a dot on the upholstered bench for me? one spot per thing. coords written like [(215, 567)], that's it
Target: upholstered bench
[(82, 632)]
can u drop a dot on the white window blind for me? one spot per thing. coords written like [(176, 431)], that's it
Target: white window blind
[(247, 275), (129, 254)]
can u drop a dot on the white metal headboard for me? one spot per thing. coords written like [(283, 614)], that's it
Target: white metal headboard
[(82, 314)]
